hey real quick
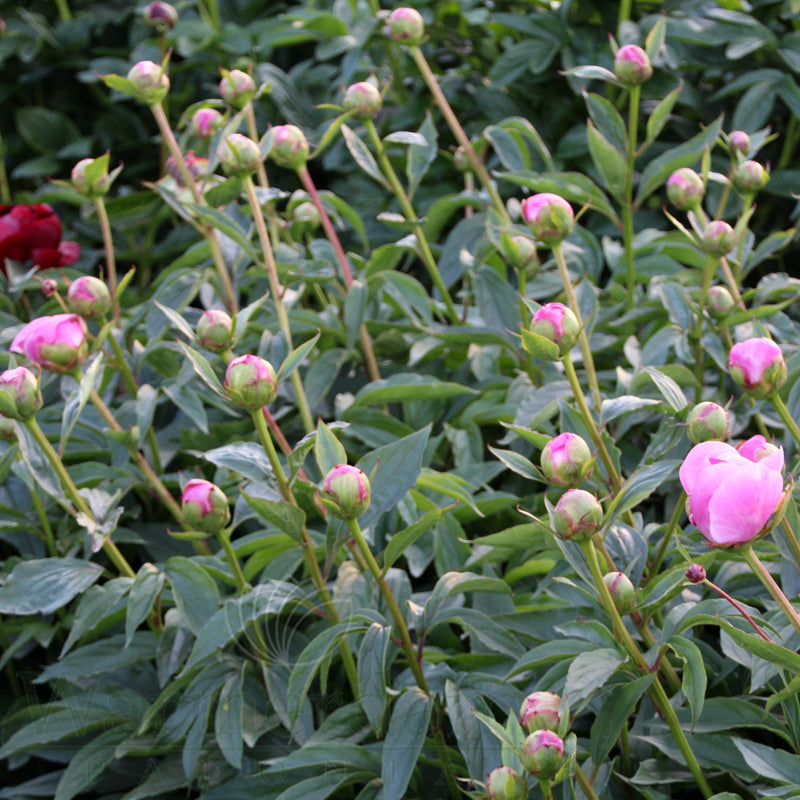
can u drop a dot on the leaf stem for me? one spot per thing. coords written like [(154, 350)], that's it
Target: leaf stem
[(108, 245), (763, 574), (786, 417), (634, 96)]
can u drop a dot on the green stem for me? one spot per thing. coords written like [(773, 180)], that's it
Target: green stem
[(252, 132), (409, 213), (458, 131), (110, 549), (739, 607), (627, 205), (13, 679), (63, 10), (108, 244), (277, 299), (789, 141), (709, 268), (52, 550), (624, 14), (791, 538), (785, 415), (546, 788), (224, 537), (5, 187), (763, 574), (655, 565), (585, 784), (733, 284)]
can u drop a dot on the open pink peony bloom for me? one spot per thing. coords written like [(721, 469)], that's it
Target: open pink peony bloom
[(731, 496), (57, 342)]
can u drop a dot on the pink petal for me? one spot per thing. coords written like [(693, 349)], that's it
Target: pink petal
[(700, 457)]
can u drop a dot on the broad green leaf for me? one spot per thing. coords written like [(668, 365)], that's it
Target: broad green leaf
[(769, 651), (177, 320), (246, 458), (408, 727), (363, 157), (75, 405), (589, 671), (402, 540), (769, 763), (204, 370), (225, 224), (660, 114), (372, 670), (607, 121), (99, 607), (295, 358), (421, 156), (641, 485), (228, 718), (406, 386), (328, 450), (538, 345), (480, 749), (694, 679), (517, 463), (146, 587), (194, 590), (287, 518), (669, 388)]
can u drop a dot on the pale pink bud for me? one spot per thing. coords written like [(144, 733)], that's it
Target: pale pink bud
[(214, 330), (238, 154), (549, 216), (49, 287), (89, 297), (707, 421), (206, 122), (289, 146), (578, 515), (719, 302), (540, 710), (159, 15), (750, 177), (363, 99), (566, 460), (758, 366), (632, 65), (542, 754), (718, 238), (739, 143), (505, 784), (151, 81), (205, 506), (251, 382), (558, 324), (405, 25), (346, 491), (685, 189), (622, 591), (90, 177), (57, 342), (237, 88), (20, 397)]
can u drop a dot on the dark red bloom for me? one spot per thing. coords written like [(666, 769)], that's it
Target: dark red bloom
[(33, 233)]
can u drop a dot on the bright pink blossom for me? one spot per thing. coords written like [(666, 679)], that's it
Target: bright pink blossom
[(57, 342), (731, 496)]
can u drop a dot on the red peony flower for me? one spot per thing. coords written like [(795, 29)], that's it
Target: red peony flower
[(33, 233)]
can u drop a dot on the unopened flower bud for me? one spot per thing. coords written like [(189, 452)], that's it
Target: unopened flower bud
[(205, 506), (542, 754), (49, 287), (238, 154), (719, 301), (306, 215), (520, 251), (718, 238), (758, 366), (685, 189), (706, 422), (90, 177), (739, 143), (196, 166), (8, 430), (237, 88), (632, 65), (622, 591), (461, 159), (750, 177), (20, 397), (150, 80), (57, 342), (566, 460), (289, 146), (251, 382), (89, 297), (540, 710), (696, 573), (345, 491), (578, 515), (558, 324), (505, 784), (549, 216), (214, 330), (363, 99), (757, 448), (159, 15), (405, 25), (206, 122)]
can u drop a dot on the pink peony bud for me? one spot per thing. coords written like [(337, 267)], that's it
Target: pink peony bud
[(196, 166), (540, 710), (20, 397), (549, 216), (306, 215), (405, 25), (718, 238), (49, 287), (346, 492), (90, 177), (578, 515), (150, 80), (238, 154), (758, 366), (520, 251), (696, 573), (542, 754), (289, 146), (57, 342), (363, 99), (89, 297), (205, 506), (214, 330), (632, 65), (566, 460), (750, 177), (251, 382), (730, 497), (622, 591), (159, 15), (739, 143), (685, 189), (505, 784), (707, 421), (556, 323), (206, 122), (237, 88), (719, 302)]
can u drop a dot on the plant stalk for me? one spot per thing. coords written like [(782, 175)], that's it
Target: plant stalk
[(763, 574), (634, 96)]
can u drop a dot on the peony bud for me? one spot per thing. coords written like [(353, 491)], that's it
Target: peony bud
[(49, 287), (696, 573), (8, 431), (749, 177), (289, 146), (622, 591), (542, 754), (214, 330), (150, 80), (238, 154), (578, 515), (505, 784), (205, 506), (206, 122), (89, 297), (363, 99), (159, 15), (306, 217), (632, 65), (196, 166), (345, 491), (707, 421), (20, 397), (558, 324), (549, 216), (566, 460), (90, 177), (405, 25), (251, 382), (540, 710), (520, 251), (237, 88), (719, 302), (57, 342), (758, 366), (739, 143), (718, 238), (685, 189)]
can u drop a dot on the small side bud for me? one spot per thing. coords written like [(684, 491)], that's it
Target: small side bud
[(542, 754), (405, 25), (706, 422), (89, 297), (289, 146), (578, 515), (540, 710), (750, 177), (363, 99), (549, 216), (632, 65), (685, 189), (739, 144), (622, 591), (214, 330), (237, 88), (160, 16), (346, 491), (719, 302), (505, 784), (49, 287), (150, 80), (566, 460), (90, 177), (696, 573), (251, 382), (206, 122), (205, 506), (558, 324), (238, 154), (20, 397), (520, 251), (718, 238)]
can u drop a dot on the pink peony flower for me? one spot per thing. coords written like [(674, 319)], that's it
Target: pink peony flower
[(731, 496), (57, 342), (33, 233)]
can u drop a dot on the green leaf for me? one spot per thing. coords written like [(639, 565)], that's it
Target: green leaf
[(328, 450), (590, 671), (406, 386), (363, 157), (694, 679), (404, 740), (372, 670), (76, 403), (146, 587), (769, 763), (481, 750), (640, 486), (41, 586), (177, 320), (511, 139), (195, 591), (517, 463), (204, 369), (98, 608), (228, 718), (355, 309), (452, 583), (246, 458), (421, 156), (773, 653), (296, 357), (660, 114), (607, 120), (669, 388), (287, 518), (225, 224), (45, 130), (402, 540)]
